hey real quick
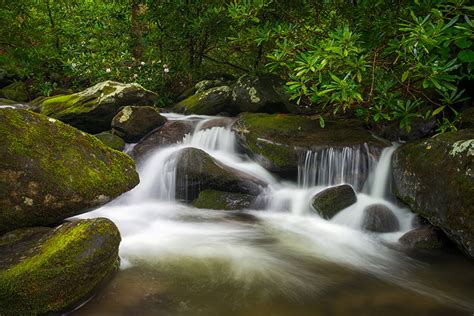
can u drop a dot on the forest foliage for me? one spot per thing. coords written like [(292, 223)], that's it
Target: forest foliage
[(383, 60)]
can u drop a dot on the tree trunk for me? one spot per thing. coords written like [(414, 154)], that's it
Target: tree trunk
[(137, 29)]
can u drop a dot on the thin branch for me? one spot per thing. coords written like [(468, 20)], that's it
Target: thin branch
[(225, 63)]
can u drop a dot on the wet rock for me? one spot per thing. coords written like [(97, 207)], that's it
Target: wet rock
[(201, 86), (277, 141), (219, 200), (332, 200), (93, 109), (111, 140), (134, 122), (392, 131), (259, 94), (425, 237), (218, 122), (198, 171), (208, 102), (170, 133), (435, 177), (380, 219), (50, 171), (16, 91), (46, 270)]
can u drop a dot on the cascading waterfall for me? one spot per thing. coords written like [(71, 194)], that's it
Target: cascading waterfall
[(287, 250)]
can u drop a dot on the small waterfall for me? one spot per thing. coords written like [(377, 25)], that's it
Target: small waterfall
[(381, 177), (331, 166), (212, 139)]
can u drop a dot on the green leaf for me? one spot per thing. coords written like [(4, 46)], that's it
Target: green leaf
[(405, 75), (438, 110), (321, 122), (466, 55)]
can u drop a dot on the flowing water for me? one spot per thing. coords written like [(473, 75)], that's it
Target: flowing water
[(281, 260)]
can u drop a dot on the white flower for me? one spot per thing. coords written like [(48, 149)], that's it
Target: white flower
[(129, 67), (142, 63), (108, 70), (73, 65), (166, 70), (149, 79), (165, 66), (135, 75)]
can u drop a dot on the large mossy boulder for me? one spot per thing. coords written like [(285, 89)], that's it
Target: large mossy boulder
[(332, 200), (134, 122), (111, 140), (219, 200), (170, 133), (379, 218), (16, 91), (435, 177), (201, 86), (277, 140), (50, 171), (49, 271), (263, 94), (209, 102), (93, 109), (197, 171)]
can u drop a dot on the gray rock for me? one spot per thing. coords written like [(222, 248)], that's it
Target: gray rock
[(332, 200), (380, 219)]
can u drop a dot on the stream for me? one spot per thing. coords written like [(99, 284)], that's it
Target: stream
[(282, 259)]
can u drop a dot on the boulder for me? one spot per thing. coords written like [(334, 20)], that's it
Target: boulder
[(50, 271), (217, 122), (201, 86), (277, 141), (197, 171), (93, 109), (16, 91), (208, 102), (435, 177), (219, 200), (380, 219), (260, 94), (134, 122), (170, 133), (50, 171), (392, 131), (332, 200), (467, 117), (111, 140), (425, 237)]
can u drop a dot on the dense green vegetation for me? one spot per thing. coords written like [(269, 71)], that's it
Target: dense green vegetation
[(382, 60)]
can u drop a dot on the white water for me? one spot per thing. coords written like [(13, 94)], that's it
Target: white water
[(158, 230)]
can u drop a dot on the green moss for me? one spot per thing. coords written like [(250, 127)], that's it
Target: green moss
[(74, 170), (63, 270), (218, 200), (61, 105), (111, 140), (15, 91), (209, 102)]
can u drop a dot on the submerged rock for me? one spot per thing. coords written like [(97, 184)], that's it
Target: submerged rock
[(15, 91), (198, 171), (50, 171), (208, 102), (92, 110), (435, 177), (134, 122), (259, 94), (170, 133), (45, 270), (425, 237), (278, 140), (219, 200), (332, 200), (111, 140), (380, 219)]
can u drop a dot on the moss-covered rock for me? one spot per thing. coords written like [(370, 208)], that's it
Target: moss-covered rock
[(379, 218), (46, 270), (219, 200), (92, 110), (208, 102), (467, 117), (198, 171), (134, 122), (332, 200), (277, 140), (170, 133), (111, 140), (259, 94), (435, 177), (7, 77), (426, 237), (50, 171), (15, 91)]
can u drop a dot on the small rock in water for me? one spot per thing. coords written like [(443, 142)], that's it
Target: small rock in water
[(427, 237), (333, 200), (380, 219)]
